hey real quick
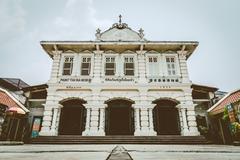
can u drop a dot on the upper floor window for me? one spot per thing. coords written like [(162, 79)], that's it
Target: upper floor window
[(86, 66), (128, 66), (110, 66), (171, 66), (153, 66), (67, 66)]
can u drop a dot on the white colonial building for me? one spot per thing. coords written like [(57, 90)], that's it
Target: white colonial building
[(119, 84)]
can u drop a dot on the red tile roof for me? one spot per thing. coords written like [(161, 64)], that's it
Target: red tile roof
[(228, 99), (11, 102), (6, 100)]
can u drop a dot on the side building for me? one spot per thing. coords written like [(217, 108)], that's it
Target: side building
[(13, 113)]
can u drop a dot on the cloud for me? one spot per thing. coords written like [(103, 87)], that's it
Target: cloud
[(23, 28), (12, 18), (78, 16)]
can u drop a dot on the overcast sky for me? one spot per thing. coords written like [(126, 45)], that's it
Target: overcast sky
[(214, 23)]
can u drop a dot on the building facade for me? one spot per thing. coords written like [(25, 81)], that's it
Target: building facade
[(119, 84)]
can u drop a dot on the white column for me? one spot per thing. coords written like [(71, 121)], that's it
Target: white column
[(183, 66), (51, 102), (95, 120), (97, 66), (137, 120), (150, 111), (47, 118), (144, 119), (77, 62), (75, 65), (102, 120), (49, 124), (185, 130), (191, 117), (54, 119), (55, 67), (141, 66), (87, 127), (180, 118)]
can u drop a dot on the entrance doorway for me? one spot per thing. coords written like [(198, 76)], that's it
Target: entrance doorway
[(119, 118), (72, 118), (166, 118)]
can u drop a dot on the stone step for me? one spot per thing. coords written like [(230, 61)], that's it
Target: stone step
[(119, 140)]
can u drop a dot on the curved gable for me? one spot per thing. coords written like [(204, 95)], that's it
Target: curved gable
[(115, 34)]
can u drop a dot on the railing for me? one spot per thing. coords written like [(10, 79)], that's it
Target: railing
[(164, 79)]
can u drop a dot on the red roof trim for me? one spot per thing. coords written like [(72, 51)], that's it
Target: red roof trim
[(228, 99)]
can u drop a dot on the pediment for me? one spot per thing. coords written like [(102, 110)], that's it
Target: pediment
[(69, 51), (153, 52), (129, 52), (120, 32), (115, 34), (86, 51), (110, 52)]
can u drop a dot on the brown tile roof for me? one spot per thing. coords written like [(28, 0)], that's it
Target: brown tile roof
[(231, 97), (204, 87), (13, 83)]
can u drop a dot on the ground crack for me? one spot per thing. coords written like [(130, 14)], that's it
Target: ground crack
[(119, 153)]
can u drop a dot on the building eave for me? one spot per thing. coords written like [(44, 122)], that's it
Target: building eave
[(204, 87), (35, 87), (190, 46)]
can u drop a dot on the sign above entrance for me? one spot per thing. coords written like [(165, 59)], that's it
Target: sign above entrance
[(75, 80), (121, 79)]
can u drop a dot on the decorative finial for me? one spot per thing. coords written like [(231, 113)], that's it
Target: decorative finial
[(98, 34), (98, 31), (120, 25), (141, 34), (120, 19)]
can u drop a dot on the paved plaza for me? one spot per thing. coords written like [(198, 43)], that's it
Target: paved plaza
[(103, 152)]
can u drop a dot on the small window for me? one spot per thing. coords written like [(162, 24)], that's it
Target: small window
[(110, 66), (128, 66), (171, 66), (86, 66), (152, 59), (153, 66), (67, 66)]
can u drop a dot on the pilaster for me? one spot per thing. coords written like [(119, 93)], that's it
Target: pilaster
[(50, 114), (184, 127), (54, 125), (191, 117), (183, 66), (76, 65), (141, 66), (144, 119), (95, 121), (189, 123), (55, 66), (49, 124), (97, 66)]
